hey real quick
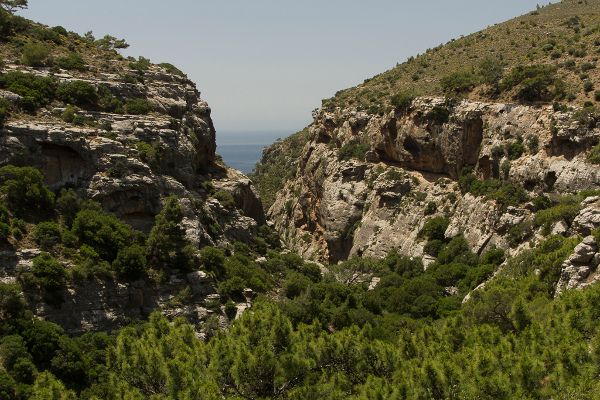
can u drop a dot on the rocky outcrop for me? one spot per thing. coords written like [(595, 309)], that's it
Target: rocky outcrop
[(129, 164), (338, 207)]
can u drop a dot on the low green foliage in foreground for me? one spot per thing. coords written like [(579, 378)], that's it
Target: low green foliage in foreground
[(328, 337)]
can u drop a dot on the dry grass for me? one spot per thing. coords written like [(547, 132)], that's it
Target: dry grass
[(566, 35)]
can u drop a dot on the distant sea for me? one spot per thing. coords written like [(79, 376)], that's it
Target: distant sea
[(242, 150)]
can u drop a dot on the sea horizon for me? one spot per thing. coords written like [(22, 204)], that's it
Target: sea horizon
[(243, 149)]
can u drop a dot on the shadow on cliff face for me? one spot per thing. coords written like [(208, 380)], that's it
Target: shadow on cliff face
[(105, 305), (62, 166)]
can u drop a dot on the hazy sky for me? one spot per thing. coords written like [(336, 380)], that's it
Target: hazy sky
[(264, 65)]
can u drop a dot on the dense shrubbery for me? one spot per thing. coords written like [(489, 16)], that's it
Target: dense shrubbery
[(594, 155), (533, 82), (278, 166), (225, 198), (71, 61), (48, 273), (333, 340), (138, 107), (78, 93), (35, 54), (167, 243), (403, 100), (170, 68), (459, 83), (36, 91), (504, 193), (25, 190), (103, 232)]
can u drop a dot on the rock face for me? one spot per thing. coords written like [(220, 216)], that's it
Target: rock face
[(580, 269), (338, 207), (129, 163)]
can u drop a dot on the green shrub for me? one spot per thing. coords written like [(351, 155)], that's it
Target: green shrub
[(233, 288), (597, 95), (498, 152), (588, 86), (230, 310), (505, 193), (439, 114), (71, 61), (509, 194), (434, 228), (225, 198), (541, 203), (295, 284), (25, 190), (491, 71), (459, 82), (431, 208), (48, 273), (150, 153), (107, 101), (594, 155), (533, 143), (68, 205), (36, 91), (403, 100), (109, 42), (4, 232), (565, 211), (515, 150), (131, 262), (60, 30), (170, 68), (79, 93), (433, 247), (142, 64), (213, 259), (353, 149), (47, 235), (105, 233), (168, 246), (69, 115), (35, 54), (138, 107), (8, 386), (533, 82), (46, 34), (517, 234)]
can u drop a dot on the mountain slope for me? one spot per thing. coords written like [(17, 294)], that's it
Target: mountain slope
[(562, 35)]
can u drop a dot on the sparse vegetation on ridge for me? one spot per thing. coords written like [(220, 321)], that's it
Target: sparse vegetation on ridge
[(559, 41)]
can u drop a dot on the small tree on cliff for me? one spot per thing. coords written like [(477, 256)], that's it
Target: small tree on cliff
[(167, 243), (13, 5)]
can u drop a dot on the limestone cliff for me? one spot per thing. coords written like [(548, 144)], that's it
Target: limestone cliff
[(407, 171), (128, 162)]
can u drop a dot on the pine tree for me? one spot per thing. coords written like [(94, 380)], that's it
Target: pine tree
[(168, 246)]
